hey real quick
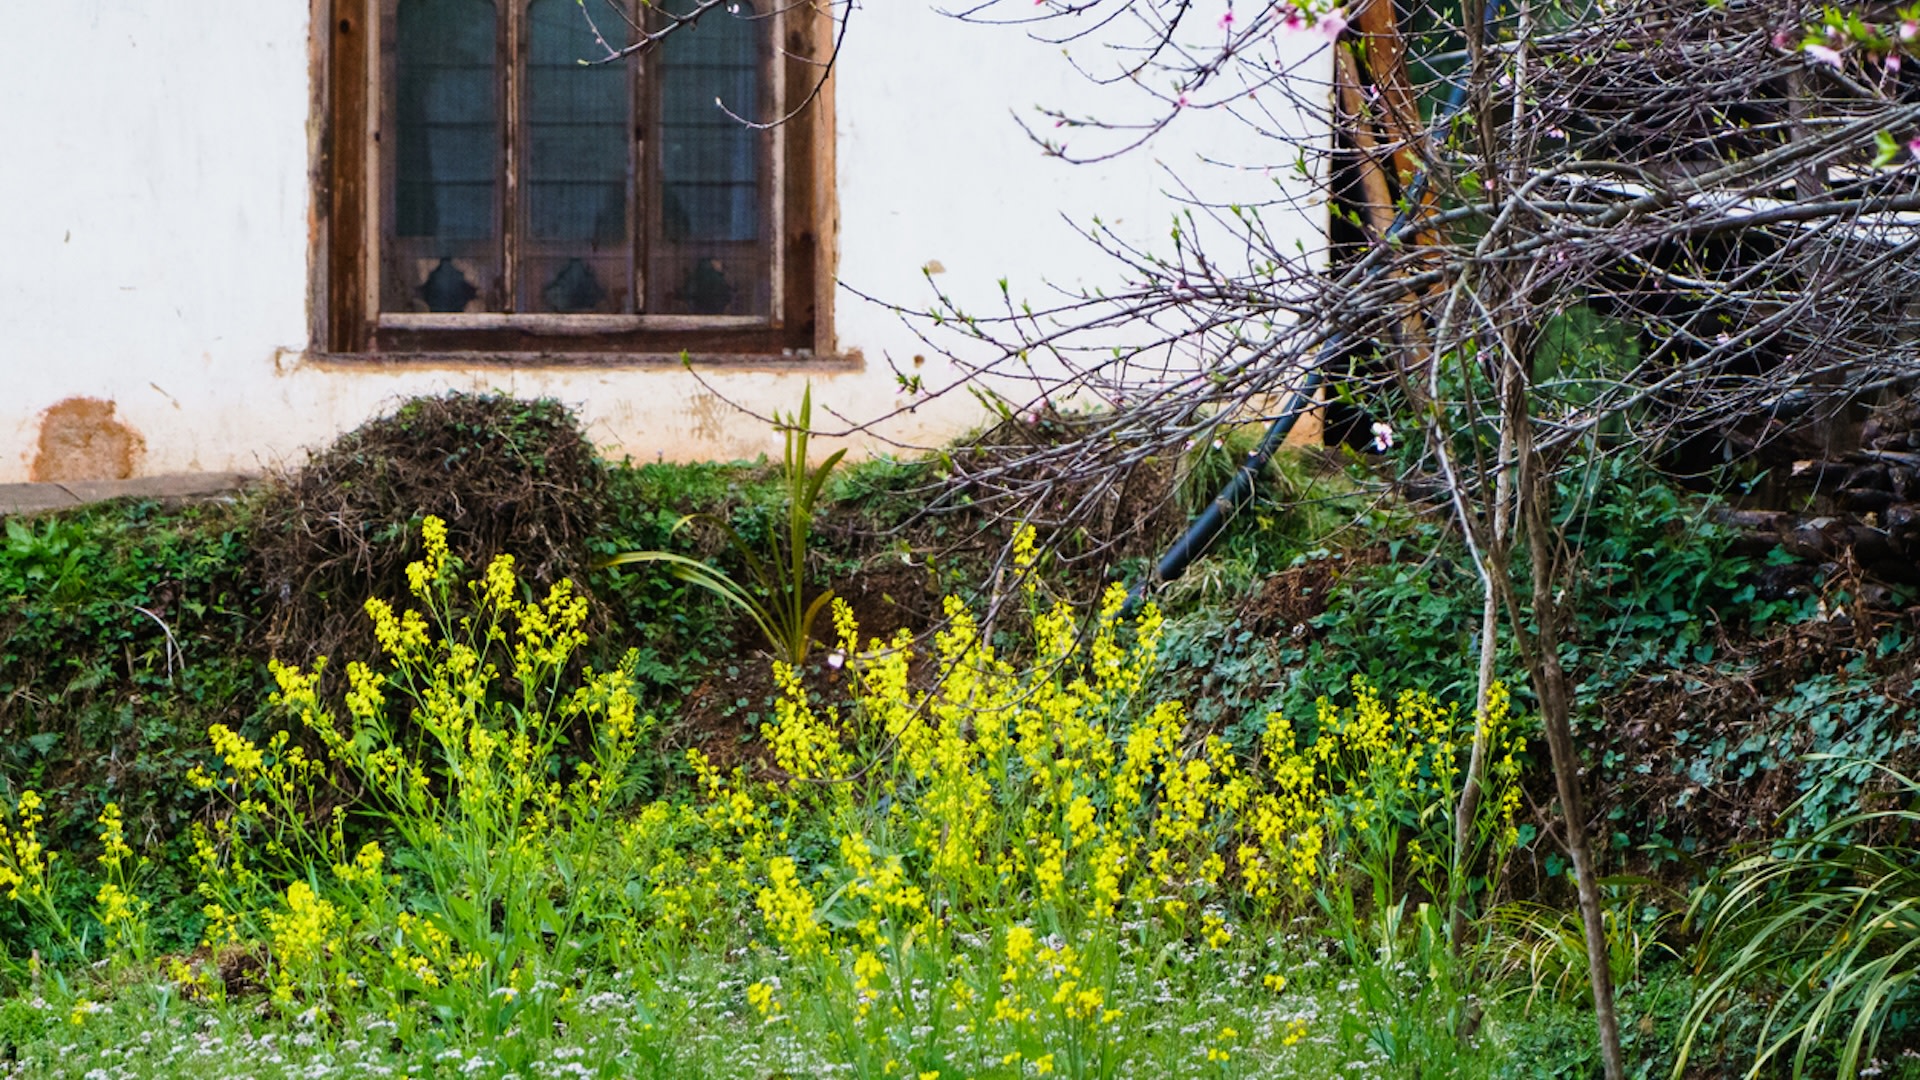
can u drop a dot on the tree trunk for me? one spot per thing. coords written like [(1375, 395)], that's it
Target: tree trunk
[(1540, 649), (1495, 563)]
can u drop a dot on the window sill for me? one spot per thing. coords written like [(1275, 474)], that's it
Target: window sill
[(569, 324), (560, 358)]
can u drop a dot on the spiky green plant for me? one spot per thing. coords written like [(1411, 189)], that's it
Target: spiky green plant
[(1828, 925), (1543, 948), (776, 597)]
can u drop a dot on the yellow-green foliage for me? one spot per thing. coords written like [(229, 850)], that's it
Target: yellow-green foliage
[(1049, 799), (999, 854), (509, 844), (1040, 786), (24, 860), (26, 866), (121, 911)]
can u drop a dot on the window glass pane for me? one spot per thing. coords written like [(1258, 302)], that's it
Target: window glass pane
[(446, 156), (710, 162), (711, 257), (449, 119), (579, 165)]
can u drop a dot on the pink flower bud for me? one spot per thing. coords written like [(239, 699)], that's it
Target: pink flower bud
[(1823, 54)]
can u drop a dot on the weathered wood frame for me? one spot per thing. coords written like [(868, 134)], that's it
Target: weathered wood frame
[(346, 322)]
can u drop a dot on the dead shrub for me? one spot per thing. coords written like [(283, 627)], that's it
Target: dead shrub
[(507, 475)]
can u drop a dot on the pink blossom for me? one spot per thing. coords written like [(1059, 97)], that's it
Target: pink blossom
[(1292, 21), (1893, 61), (1331, 25), (1180, 102), (1909, 30), (1913, 146), (1781, 38), (1226, 21), (1823, 54)]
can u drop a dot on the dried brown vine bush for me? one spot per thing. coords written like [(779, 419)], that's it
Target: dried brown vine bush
[(1094, 512), (507, 475)]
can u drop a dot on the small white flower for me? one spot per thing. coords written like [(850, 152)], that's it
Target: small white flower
[(1382, 436), (836, 659)]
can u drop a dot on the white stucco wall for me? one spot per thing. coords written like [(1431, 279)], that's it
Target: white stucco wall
[(155, 207)]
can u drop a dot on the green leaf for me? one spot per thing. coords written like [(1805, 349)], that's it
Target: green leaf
[(1885, 149)]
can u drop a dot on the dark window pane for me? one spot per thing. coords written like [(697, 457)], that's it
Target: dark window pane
[(710, 162), (579, 135), (712, 254), (448, 118)]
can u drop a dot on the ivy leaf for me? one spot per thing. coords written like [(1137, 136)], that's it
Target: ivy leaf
[(1885, 149)]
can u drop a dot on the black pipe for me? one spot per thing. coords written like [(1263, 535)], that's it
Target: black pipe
[(1207, 526)]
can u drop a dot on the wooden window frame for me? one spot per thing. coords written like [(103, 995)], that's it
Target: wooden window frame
[(350, 193)]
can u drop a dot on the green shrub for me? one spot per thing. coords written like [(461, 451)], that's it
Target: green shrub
[(1827, 927), (124, 631)]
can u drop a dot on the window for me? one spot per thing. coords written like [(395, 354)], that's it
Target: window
[(488, 192)]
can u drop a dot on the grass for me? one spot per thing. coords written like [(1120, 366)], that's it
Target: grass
[(1833, 921), (694, 1023), (679, 964)]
